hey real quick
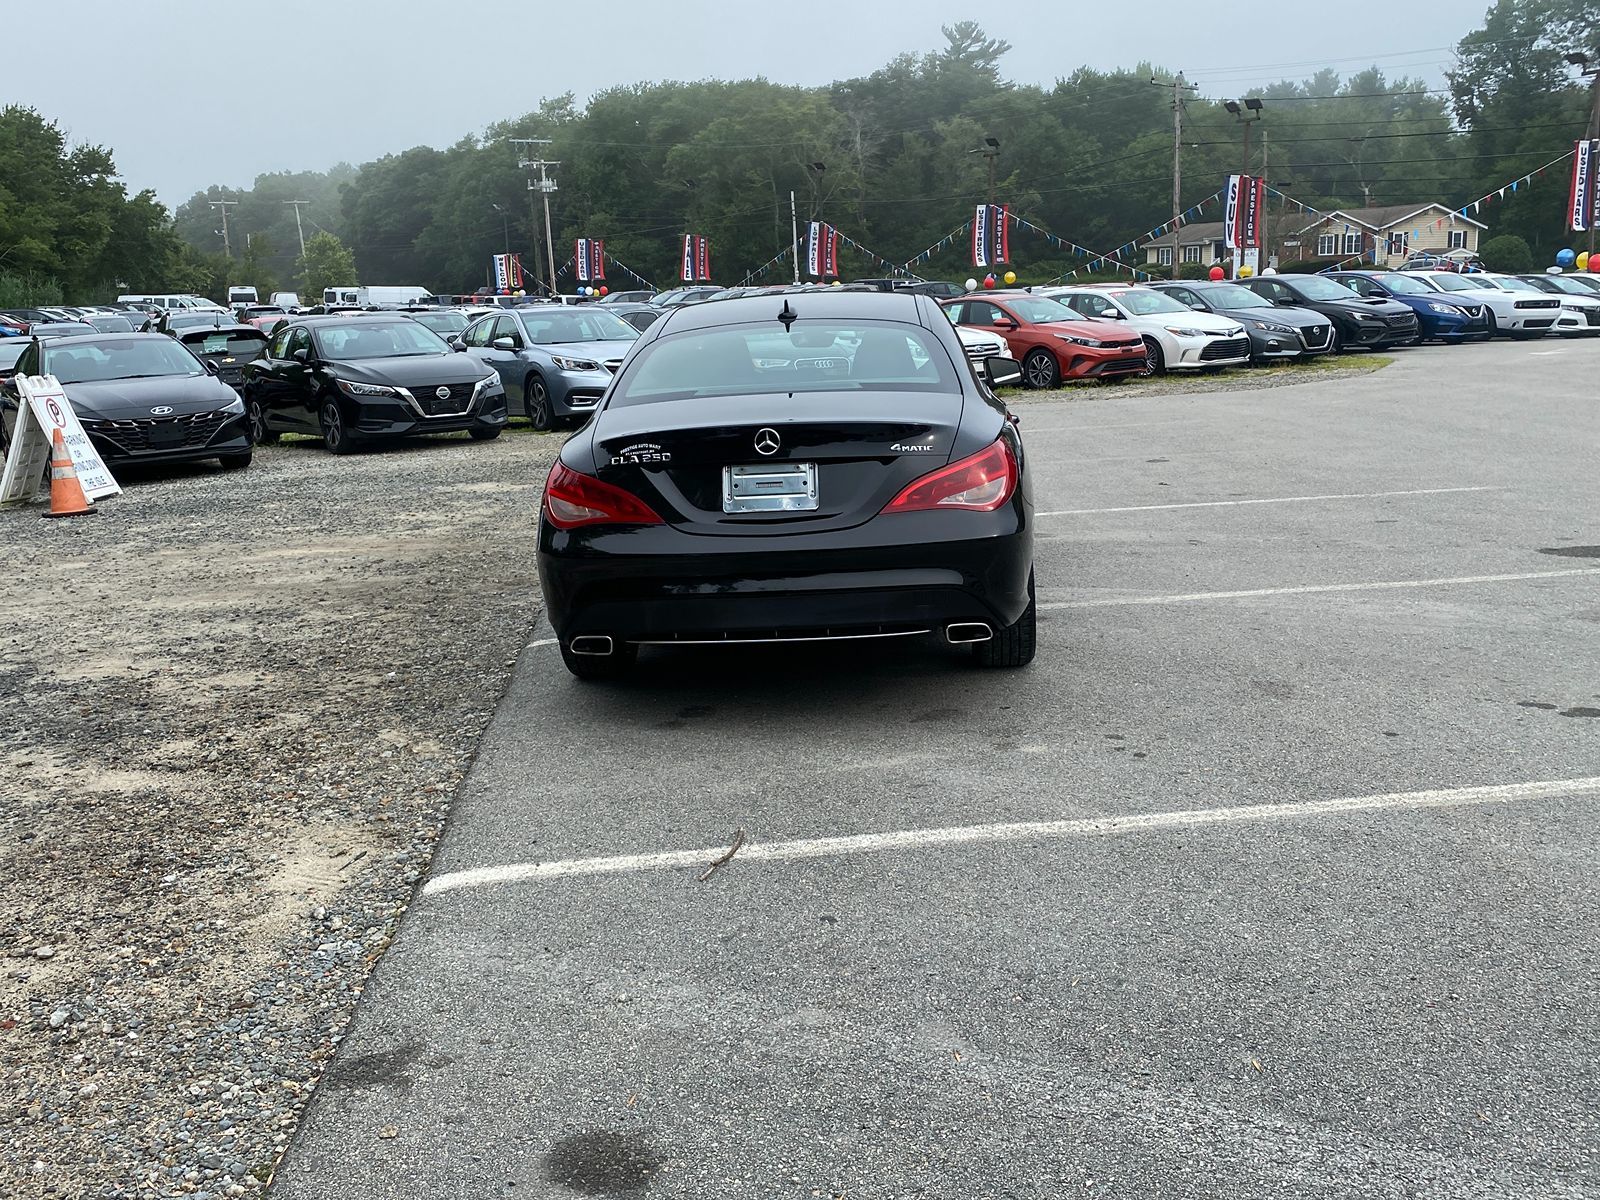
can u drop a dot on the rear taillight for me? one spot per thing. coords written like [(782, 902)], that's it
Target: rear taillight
[(981, 483), (572, 499)]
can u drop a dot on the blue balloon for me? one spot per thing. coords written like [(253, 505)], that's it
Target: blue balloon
[(1565, 258)]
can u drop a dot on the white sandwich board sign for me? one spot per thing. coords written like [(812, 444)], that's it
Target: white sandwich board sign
[(42, 409)]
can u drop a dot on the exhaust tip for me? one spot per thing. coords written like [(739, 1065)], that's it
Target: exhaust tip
[(597, 645), (965, 633)]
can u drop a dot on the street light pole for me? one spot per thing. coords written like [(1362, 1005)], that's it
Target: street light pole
[(990, 151), (1588, 70), (505, 223)]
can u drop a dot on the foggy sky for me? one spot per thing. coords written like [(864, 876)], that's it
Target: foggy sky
[(193, 92)]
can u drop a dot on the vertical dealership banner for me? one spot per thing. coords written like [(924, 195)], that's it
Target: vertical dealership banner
[(507, 273), (1583, 199), (822, 250), (1244, 210), (696, 266), (589, 260), (991, 238)]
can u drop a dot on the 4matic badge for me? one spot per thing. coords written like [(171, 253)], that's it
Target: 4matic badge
[(639, 454), (911, 448)]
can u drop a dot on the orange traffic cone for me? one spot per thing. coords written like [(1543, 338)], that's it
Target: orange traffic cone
[(66, 493)]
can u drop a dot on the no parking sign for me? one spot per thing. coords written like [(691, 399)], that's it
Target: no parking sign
[(42, 409)]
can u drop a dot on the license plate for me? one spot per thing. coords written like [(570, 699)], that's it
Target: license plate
[(166, 434), (769, 487)]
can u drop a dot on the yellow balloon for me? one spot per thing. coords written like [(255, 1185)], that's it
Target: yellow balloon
[(1245, 272), (1011, 277), (1583, 261)]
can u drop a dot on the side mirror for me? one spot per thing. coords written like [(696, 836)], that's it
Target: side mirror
[(504, 343), (301, 355), (211, 366), (1005, 323), (1003, 372), (457, 345)]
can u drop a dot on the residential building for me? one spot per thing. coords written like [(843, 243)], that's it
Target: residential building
[(1385, 235)]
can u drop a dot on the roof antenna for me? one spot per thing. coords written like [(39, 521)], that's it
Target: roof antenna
[(788, 316)]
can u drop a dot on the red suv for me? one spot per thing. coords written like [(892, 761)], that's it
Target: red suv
[(1050, 340)]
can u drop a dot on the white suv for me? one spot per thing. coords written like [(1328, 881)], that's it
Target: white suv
[(1512, 314), (1176, 337)]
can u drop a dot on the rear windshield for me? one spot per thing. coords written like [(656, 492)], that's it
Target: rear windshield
[(814, 356), (241, 345), (123, 358)]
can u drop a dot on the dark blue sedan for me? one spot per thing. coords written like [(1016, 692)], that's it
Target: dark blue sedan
[(1439, 317)]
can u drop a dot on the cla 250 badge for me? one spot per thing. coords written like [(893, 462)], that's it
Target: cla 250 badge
[(911, 448), (644, 452)]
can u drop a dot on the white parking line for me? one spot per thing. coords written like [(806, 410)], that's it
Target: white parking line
[(1377, 586), (930, 839), (541, 642), (1084, 512)]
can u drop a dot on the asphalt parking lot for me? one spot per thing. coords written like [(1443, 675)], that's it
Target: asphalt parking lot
[(1273, 876)]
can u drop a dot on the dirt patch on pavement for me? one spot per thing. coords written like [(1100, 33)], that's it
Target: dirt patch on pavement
[(233, 709)]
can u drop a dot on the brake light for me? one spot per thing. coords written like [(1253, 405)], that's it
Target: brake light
[(572, 498), (980, 483)]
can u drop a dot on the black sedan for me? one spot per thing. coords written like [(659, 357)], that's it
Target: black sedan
[(356, 379), (227, 347), (1372, 324), (795, 468), (144, 398), (1276, 332)]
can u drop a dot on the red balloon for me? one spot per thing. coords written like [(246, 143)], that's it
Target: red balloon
[(988, 281), (1217, 273), (604, 289), (1594, 264)]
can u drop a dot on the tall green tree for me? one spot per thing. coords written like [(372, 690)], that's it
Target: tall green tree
[(326, 263)]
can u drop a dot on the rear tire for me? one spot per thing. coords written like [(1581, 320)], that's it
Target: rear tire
[(599, 668), (1013, 646), (1040, 370)]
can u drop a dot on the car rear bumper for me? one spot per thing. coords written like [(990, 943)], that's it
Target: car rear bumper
[(847, 584)]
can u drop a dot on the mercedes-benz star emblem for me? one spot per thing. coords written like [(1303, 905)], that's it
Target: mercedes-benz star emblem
[(767, 441), (161, 410), (442, 392)]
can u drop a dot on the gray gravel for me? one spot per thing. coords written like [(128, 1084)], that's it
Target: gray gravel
[(1231, 381), (233, 711)]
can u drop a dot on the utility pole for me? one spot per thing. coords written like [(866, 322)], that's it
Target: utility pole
[(298, 227), (990, 151), (1179, 87), (794, 228), (225, 205), (544, 185)]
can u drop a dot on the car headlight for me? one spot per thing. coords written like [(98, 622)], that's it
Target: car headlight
[(234, 407), (1573, 307), (488, 381), (1271, 326), (351, 388), (574, 364), (1180, 331), (1443, 308), (1080, 341)]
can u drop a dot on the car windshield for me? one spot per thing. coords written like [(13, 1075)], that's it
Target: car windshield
[(1034, 309), (555, 326), (1231, 295), (813, 356), (1319, 287), (1142, 302), (226, 341), (112, 324), (1404, 285), (399, 338), (1446, 281), (1518, 285), (119, 358), (1571, 286), (441, 322)]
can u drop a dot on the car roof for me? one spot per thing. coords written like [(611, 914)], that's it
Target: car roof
[(808, 304), (211, 329)]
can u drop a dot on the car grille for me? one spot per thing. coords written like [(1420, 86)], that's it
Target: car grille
[(1472, 310), (1314, 337), (1592, 315), (1403, 321), (145, 434), (1538, 304), (1127, 345), (1230, 348), (978, 351), (452, 405)]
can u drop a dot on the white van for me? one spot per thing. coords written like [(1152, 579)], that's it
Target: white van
[(340, 295), (170, 300), (239, 293), (288, 301)]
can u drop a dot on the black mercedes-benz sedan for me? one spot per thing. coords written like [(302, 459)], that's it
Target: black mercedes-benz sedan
[(792, 468), (144, 398), (358, 379)]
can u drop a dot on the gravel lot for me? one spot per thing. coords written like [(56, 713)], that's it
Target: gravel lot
[(233, 709)]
